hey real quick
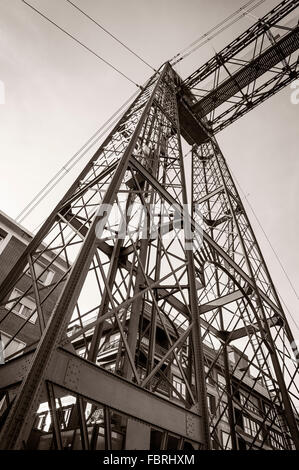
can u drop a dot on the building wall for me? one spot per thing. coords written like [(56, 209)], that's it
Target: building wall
[(13, 242)]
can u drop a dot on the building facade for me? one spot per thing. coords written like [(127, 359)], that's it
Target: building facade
[(20, 322)]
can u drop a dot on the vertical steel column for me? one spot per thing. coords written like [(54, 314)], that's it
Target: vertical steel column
[(199, 369), (136, 307), (108, 433), (231, 417), (82, 422), (153, 327), (289, 413), (53, 413)]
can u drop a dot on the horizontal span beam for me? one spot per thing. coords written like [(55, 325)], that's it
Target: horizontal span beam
[(249, 73), (259, 95), (209, 195), (221, 301), (85, 378), (250, 329), (272, 18)]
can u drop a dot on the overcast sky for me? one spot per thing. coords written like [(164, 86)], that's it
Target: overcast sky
[(58, 95)]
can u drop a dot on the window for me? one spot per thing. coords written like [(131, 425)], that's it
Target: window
[(276, 440), (221, 380), (15, 346), (172, 442), (246, 425), (232, 357), (179, 385), (156, 439), (251, 428), (211, 403), (64, 414), (226, 440), (271, 413), (2, 238), (2, 235), (24, 307), (112, 342), (41, 421), (43, 274), (249, 402)]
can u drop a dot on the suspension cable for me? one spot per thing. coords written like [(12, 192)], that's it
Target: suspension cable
[(112, 35), (71, 163), (205, 38), (82, 44)]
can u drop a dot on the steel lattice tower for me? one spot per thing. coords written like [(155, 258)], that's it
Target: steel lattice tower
[(141, 265)]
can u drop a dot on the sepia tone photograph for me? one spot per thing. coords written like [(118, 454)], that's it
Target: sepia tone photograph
[(149, 189)]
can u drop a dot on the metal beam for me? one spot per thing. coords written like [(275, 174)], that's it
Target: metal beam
[(269, 20), (78, 375), (247, 74), (221, 301), (251, 329)]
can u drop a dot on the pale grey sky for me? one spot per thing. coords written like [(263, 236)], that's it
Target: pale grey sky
[(58, 94)]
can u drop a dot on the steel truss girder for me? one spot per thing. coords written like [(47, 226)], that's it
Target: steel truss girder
[(250, 72), (244, 84), (272, 18), (235, 236), (80, 376)]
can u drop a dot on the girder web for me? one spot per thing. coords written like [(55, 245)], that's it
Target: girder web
[(156, 299), (256, 65), (261, 327), (72, 218), (139, 279)]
